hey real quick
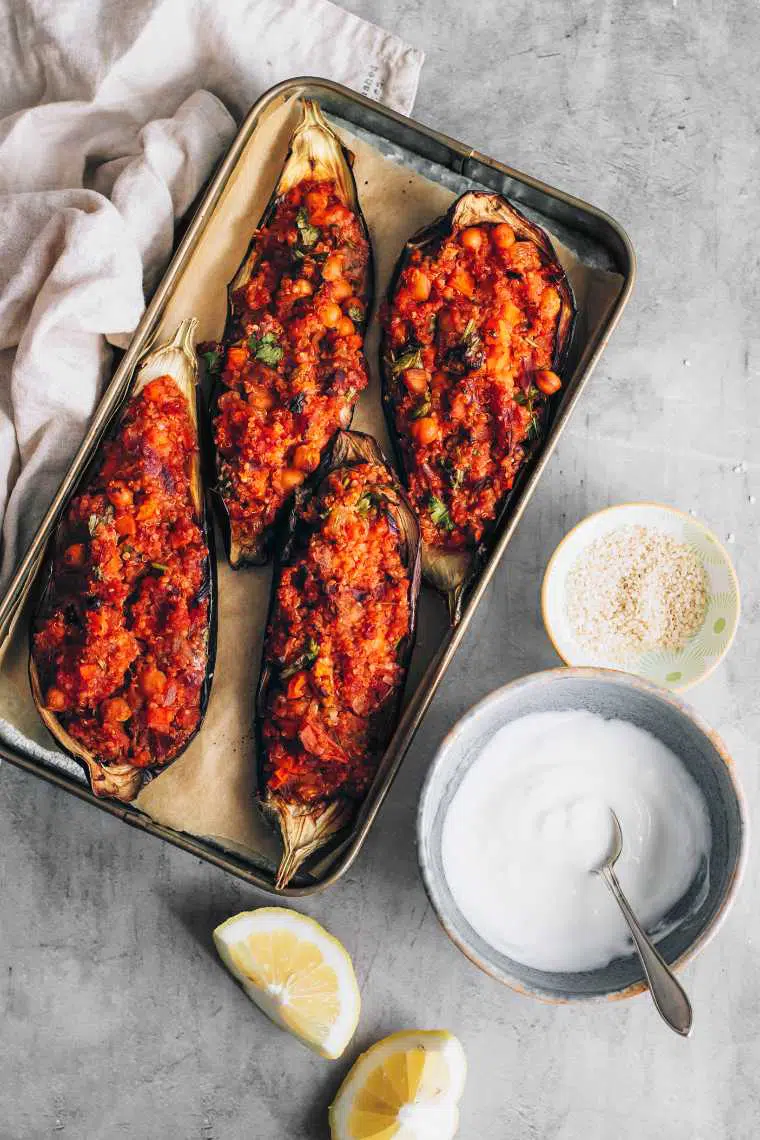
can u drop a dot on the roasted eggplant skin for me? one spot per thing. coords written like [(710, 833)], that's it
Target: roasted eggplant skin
[(434, 374), (280, 391), (122, 781), (324, 795)]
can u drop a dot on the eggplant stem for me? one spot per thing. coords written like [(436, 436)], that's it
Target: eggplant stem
[(304, 829), (184, 338), (289, 864), (116, 781), (454, 603)]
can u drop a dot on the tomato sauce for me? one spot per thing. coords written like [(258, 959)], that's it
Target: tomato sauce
[(471, 334), (341, 612), (121, 643), (294, 366)]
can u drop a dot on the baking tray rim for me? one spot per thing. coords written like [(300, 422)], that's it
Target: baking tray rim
[(414, 712)]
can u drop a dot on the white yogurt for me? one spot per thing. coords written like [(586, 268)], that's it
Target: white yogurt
[(530, 822)]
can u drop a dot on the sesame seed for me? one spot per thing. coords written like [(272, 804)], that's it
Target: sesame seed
[(634, 591)]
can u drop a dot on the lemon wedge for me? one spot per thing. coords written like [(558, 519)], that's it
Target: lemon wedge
[(406, 1087), (297, 973)]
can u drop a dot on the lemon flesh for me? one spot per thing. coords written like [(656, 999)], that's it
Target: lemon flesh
[(406, 1087), (295, 972)]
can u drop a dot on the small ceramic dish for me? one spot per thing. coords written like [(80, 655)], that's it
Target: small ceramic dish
[(673, 669), (610, 694)]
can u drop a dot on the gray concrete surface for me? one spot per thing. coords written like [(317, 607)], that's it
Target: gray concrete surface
[(115, 1018)]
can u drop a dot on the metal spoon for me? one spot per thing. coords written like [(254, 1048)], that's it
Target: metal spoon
[(667, 993)]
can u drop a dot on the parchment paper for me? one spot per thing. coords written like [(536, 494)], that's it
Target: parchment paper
[(210, 790)]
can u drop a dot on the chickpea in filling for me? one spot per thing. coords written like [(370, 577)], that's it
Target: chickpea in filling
[(121, 644), (342, 608), (294, 367), (471, 332)]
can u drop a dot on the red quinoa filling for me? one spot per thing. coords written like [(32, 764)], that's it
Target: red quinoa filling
[(295, 367), (341, 611), (121, 646), (471, 329)]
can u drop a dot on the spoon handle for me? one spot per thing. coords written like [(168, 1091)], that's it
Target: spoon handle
[(667, 993)]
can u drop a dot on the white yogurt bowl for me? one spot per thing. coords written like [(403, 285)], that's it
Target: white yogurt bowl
[(694, 919), (674, 669)]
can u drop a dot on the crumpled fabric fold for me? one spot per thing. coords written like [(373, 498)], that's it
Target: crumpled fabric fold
[(115, 115)]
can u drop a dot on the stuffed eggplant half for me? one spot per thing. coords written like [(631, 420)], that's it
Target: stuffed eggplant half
[(475, 333), (291, 364), (339, 637), (123, 641)]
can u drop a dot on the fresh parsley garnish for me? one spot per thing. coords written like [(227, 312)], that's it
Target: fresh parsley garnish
[(369, 499), (422, 409), (409, 358), (94, 521), (439, 513), (304, 660), (356, 314), (307, 233), (296, 405), (213, 361), (266, 349), (472, 346), (454, 474), (525, 399), (366, 500), (470, 330)]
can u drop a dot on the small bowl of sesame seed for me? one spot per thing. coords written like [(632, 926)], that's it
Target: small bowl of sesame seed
[(644, 588)]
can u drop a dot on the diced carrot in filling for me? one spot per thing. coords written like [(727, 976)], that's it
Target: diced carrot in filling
[(55, 700), (420, 285), (416, 380), (126, 634), (548, 382), (159, 718), (305, 458), (237, 357), (75, 555), (470, 331), (291, 477), (297, 686), (340, 612), (292, 366)]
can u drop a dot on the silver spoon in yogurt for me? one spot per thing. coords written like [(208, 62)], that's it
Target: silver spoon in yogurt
[(668, 995)]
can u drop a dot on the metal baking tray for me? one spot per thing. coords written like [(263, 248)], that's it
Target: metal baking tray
[(592, 235)]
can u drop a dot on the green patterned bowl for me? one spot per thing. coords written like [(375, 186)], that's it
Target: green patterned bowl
[(673, 669)]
